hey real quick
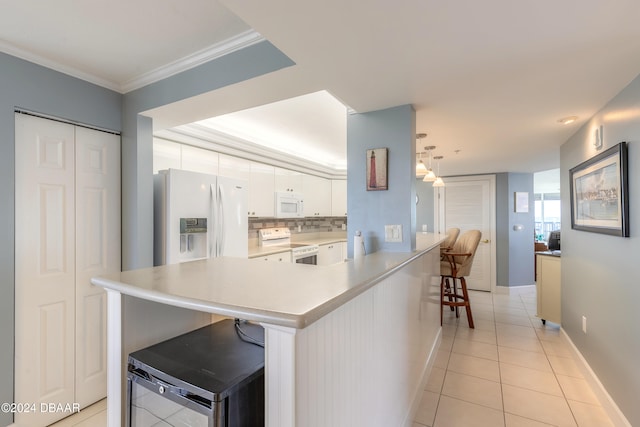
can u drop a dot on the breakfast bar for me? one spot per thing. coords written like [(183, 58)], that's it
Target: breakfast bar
[(345, 344)]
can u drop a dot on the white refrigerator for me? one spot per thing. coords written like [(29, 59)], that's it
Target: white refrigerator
[(198, 216)]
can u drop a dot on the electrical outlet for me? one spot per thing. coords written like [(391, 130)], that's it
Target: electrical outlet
[(584, 324)]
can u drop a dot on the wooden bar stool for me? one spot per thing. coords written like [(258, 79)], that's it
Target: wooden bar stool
[(456, 265)]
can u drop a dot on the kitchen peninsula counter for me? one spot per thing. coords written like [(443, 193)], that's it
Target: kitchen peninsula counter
[(369, 326), (284, 294)]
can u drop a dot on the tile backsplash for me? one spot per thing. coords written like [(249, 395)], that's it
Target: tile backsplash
[(306, 225)]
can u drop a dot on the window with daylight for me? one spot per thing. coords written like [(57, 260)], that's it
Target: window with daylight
[(547, 214)]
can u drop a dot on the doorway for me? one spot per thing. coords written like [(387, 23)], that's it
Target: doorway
[(469, 203)]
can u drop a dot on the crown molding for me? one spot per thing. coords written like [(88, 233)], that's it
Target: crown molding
[(210, 139), (12, 50), (232, 44), (210, 53)]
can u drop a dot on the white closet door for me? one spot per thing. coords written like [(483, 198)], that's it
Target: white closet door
[(468, 203), (97, 253), (44, 266)]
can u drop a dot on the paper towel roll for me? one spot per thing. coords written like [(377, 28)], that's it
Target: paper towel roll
[(358, 245)]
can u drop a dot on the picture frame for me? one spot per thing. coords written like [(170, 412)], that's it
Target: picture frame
[(377, 169), (600, 193), (521, 202)]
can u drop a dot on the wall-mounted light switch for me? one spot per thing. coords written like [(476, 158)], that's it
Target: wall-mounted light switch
[(393, 233)]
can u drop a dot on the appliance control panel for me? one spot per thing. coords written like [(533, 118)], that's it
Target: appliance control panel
[(193, 225)]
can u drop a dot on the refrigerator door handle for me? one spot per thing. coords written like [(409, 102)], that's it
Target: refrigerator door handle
[(221, 218), (212, 232)]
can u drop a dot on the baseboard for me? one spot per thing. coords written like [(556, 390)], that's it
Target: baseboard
[(417, 398), (608, 404), (514, 290)]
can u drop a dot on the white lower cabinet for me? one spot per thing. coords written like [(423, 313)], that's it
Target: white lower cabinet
[(548, 288), (279, 257), (330, 254), (67, 209)]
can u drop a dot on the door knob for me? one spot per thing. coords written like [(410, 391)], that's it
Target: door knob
[(485, 241)]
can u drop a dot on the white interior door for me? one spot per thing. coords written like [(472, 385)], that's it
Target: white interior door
[(468, 203), (44, 266), (97, 252)]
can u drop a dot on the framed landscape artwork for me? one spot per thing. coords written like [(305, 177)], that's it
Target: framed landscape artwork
[(377, 169), (599, 193)]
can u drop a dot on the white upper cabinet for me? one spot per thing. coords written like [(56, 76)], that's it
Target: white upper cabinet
[(317, 196), (288, 180), (339, 197), (199, 160), (166, 155), (261, 190), (234, 167)]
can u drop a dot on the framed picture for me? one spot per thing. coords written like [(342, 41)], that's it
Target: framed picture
[(377, 169), (600, 194), (521, 202)]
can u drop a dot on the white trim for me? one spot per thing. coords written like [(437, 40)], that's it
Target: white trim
[(280, 375), (607, 402), (232, 44), (57, 66), (115, 382)]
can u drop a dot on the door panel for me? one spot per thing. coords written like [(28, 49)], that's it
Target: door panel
[(469, 204), (98, 252), (44, 266)]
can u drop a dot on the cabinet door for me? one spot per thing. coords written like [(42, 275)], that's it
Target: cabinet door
[(261, 190), (44, 266), (166, 155), (317, 196), (234, 167), (97, 253), (338, 197), (279, 257), (288, 180), (330, 254), (199, 160)]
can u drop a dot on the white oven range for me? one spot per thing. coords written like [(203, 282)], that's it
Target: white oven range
[(281, 238)]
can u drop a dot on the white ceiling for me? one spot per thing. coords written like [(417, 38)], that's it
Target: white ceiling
[(488, 78)]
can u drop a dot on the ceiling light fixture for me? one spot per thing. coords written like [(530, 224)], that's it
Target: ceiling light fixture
[(568, 120), (429, 175), (438, 181), (421, 169)]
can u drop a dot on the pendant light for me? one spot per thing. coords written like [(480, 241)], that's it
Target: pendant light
[(421, 169), (438, 181), (429, 176)]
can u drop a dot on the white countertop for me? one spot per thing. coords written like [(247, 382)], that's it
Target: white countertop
[(285, 294), (306, 238)]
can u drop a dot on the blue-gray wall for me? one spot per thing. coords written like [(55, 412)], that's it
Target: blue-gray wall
[(31, 87), (514, 248), (137, 138), (600, 273), (370, 211), (424, 208)]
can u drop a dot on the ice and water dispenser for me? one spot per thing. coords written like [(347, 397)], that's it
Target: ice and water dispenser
[(193, 238)]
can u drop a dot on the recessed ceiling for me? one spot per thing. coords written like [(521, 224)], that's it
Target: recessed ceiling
[(488, 78), (312, 127)]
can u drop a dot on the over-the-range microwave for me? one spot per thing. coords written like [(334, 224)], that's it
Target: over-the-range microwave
[(289, 205)]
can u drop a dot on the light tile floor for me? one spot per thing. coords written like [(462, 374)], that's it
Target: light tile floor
[(511, 370)]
